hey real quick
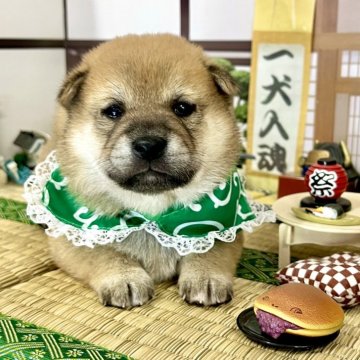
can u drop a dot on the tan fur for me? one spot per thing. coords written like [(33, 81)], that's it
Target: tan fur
[(146, 74)]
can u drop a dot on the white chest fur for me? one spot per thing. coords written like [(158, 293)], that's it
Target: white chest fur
[(159, 261)]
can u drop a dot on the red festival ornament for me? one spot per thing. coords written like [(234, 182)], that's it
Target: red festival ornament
[(326, 181)]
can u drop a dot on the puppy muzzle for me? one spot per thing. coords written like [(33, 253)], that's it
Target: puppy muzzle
[(149, 147)]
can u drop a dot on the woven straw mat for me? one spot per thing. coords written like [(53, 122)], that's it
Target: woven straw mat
[(23, 252), (266, 238), (166, 328), (12, 191)]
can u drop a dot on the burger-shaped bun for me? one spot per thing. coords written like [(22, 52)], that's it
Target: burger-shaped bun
[(298, 309)]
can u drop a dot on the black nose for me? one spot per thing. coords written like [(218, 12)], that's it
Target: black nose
[(149, 147)]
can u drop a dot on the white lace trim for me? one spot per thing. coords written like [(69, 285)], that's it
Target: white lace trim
[(39, 214)]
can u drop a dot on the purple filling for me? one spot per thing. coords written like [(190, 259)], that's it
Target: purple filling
[(273, 325)]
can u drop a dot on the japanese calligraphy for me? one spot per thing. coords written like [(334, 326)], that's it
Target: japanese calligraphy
[(274, 121), (277, 54), (277, 88), (277, 109), (272, 157), (322, 183)]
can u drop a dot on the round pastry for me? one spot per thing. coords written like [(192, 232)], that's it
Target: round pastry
[(297, 309)]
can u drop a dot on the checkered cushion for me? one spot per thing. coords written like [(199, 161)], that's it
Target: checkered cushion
[(337, 275)]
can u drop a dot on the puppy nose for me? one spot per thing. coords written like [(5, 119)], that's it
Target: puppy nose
[(149, 147)]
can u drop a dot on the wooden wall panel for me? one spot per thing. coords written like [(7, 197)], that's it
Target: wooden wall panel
[(326, 95), (327, 71)]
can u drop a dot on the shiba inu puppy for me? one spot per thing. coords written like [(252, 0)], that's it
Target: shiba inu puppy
[(144, 124)]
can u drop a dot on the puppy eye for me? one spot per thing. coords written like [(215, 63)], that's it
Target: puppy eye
[(183, 109), (296, 310), (266, 298), (114, 111)]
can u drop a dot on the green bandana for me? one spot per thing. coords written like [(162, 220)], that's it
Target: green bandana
[(219, 214)]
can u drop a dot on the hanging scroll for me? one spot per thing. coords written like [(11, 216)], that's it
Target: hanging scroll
[(280, 73)]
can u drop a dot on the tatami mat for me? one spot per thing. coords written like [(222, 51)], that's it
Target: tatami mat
[(166, 328), (266, 238), (23, 252), (12, 191)]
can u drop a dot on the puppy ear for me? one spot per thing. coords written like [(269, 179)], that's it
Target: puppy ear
[(223, 80), (71, 87)]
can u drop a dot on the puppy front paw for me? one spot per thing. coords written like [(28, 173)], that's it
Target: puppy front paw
[(206, 289), (124, 290)]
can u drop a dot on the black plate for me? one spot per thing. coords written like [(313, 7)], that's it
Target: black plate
[(247, 322)]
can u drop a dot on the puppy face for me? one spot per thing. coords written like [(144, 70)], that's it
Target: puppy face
[(146, 117)]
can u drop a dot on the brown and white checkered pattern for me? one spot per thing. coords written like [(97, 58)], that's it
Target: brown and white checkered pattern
[(337, 275)]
